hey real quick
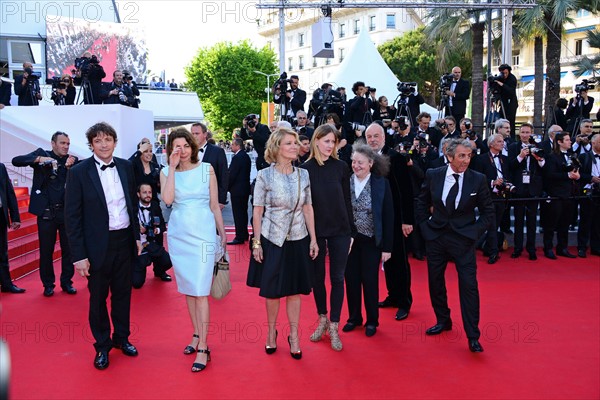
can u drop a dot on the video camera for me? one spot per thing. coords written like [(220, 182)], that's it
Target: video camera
[(585, 85), (84, 64), (446, 82), (406, 88), (155, 223), (493, 83), (32, 76)]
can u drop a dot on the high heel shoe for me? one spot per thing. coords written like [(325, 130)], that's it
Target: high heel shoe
[(321, 328), (269, 349), (190, 349), (297, 355), (197, 367)]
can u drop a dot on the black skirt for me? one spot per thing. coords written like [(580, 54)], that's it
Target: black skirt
[(285, 271)]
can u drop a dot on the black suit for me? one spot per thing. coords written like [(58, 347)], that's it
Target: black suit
[(108, 98), (436, 136), (9, 212), (239, 189), (459, 100), (259, 140), (453, 235), (589, 224), (575, 113), (526, 169), (215, 156), (5, 93), (295, 104), (508, 100), (110, 253), (47, 202), (27, 94)]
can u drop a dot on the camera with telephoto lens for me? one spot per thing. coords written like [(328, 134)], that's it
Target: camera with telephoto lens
[(585, 85), (534, 148), (573, 163), (442, 125), (53, 164), (155, 223), (471, 134), (251, 120), (371, 89), (506, 188), (301, 130), (56, 82), (446, 82), (401, 120), (84, 64), (406, 88)]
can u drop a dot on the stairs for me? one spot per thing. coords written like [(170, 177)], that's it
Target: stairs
[(23, 243)]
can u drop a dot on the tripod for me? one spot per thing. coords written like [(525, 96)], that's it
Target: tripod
[(444, 102), (578, 118), (402, 106), (87, 92), (493, 106)]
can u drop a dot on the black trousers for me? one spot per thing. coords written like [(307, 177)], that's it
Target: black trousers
[(557, 217), (5, 280), (47, 229), (525, 210), (493, 237), (397, 274), (239, 208), (362, 272), (337, 248), (462, 250), (589, 225), (113, 275), (154, 254)]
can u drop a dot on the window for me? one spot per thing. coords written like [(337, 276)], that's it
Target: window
[(301, 39), (578, 47), (390, 21), (24, 51), (356, 26), (582, 13), (342, 30), (342, 55), (371, 23), (515, 57), (328, 61), (301, 62), (290, 65), (314, 62)]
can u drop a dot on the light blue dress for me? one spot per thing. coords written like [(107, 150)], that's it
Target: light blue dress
[(192, 235)]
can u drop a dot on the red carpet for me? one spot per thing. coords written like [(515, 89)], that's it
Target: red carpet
[(540, 325)]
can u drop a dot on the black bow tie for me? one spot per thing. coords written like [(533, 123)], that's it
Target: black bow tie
[(496, 155), (111, 165), (597, 155), (145, 209), (202, 150)]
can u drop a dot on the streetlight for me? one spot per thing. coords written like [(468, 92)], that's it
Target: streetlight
[(267, 90)]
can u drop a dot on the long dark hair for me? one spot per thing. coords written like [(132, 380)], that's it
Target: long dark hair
[(183, 133)]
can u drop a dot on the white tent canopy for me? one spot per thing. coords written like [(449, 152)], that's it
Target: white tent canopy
[(364, 63)]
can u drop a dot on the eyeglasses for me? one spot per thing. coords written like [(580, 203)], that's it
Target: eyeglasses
[(301, 117)]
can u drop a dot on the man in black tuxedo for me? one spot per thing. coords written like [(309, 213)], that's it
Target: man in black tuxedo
[(259, 134), (293, 99), (589, 225), (445, 211), (582, 139), (47, 201), (239, 189), (458, 94), (9, 218), (526, 169), (103, 229), (579, 108), (152, 229), (507, 84), (397, 268), (215, 156), (423, 129)]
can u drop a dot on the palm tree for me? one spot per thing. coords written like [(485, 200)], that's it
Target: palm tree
[(461, 29), (587, 64)]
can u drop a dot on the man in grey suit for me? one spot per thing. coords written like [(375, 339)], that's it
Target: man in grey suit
[(445, 212)]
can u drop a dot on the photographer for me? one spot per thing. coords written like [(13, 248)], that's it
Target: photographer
[(384, 112), (580, 107), (410, 101), (50, 169), (293, 99), (89, 74), (526, 163), (399, 133), (302, 125), (506, 85), (63, 91), (582, 139), (27, 86), (467, 132), (129, 81), (589, 225), (152, 228), (326, 101), (259, 134), (423, 129), (458, 94), (358, 116), (117, 92)]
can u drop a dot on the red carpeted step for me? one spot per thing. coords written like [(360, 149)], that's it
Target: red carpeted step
[(23, 201), (21, 191), (28, 227), (22, 245), (25, 263)]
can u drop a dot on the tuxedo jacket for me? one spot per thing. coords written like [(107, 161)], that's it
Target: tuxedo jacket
[(461, 95), (536, 180), (239, 174), (401, 187), (297, 102), (556, 180), (156, 211), (383, 213), (485, 164), (508, 92), (585, 172), (574, 111), (86, 211), (436, 136), (39, 200), (215, 156), (10, 207), (433, 217)]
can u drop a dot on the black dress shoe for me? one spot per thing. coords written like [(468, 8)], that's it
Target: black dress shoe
[(581, 253), (127, 348), (565, 253), (12, 289), (493, 258), (370, 330), (595, 252), (48, 292), (475, 346), (401, 314), (236, 241), (439, 328), (516, 254), (532, 256), (101, 360), (164, 277), (550, 254), (387, 303), (349, 327), (419, 256), (69, 289)]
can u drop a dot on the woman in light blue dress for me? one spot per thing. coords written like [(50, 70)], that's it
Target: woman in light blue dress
[(191, 187)]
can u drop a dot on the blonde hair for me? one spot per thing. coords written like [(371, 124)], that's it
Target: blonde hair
[(272, 146), (320, 133)]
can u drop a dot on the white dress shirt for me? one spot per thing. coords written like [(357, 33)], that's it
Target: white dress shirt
[(449, 182), (360, 185), (118, 218)]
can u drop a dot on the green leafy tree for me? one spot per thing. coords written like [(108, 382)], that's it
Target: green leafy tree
[(228, 88), (590, 64)]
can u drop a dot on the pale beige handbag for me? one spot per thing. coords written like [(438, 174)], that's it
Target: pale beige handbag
[(221, 284)]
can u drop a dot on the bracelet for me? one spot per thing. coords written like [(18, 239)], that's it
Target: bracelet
[(256, 246), (255, 241)]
